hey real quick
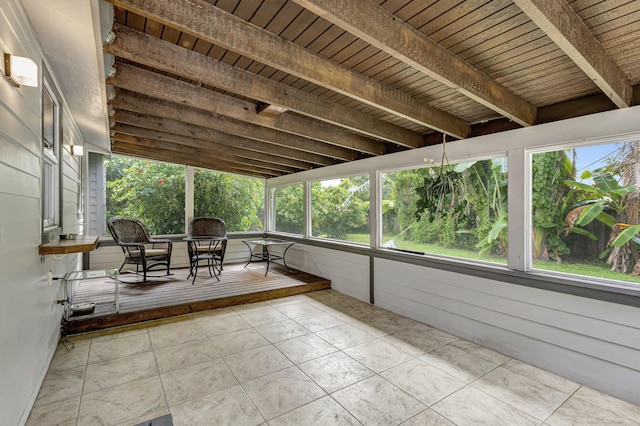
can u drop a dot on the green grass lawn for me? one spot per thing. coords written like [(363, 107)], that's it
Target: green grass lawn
[(589, 269)]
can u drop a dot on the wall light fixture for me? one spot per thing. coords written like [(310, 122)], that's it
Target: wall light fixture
[(20, 70)]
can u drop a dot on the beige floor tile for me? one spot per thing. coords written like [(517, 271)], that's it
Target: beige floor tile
[(414, 345), (227, 324), (227, 407), (434, 333), (119, 332), (282, 391), (257, 362), (321, 412), (298, 309), (427, 418), (360, 310), (479, 351), (344, 336), (470, 407), (335, 371), (264, 316), (170, 322), (607, 402), (423, 381), (238, 341), (375, 401), (280, 331), (544, 377), (317, 322), (213, 313), (61, 385), (377, 355), (256, 306), (171, 336), (122, 403), (62, 413), (458, 363), (389, 322), (70, 356), (526, 394), (196, 380), (180, 356), (145, 418), (576, 412), (115, 372), (303, 348), (105, 350)]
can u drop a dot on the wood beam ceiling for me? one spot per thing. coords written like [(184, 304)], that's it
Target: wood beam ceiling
[(143, 81), (380, 28), (147, 105), (198, 132), (168, 57), (560, 22), (212, 24)]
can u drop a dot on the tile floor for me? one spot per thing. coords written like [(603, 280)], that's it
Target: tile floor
[(317, 359)]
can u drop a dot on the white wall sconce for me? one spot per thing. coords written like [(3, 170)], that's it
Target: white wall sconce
[(77, 150), (20, 70)]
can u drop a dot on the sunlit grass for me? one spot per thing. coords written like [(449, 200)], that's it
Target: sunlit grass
[(589, 269)]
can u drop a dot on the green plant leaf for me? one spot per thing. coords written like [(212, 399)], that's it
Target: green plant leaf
[(581, 186), (605, 253), (497, 227), (607, 219), (589, 214), (584, 232), (586, 174), (606, 182), (624, 190), (626, 235)]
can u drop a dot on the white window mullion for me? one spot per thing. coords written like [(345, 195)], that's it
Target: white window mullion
[(519, 202)]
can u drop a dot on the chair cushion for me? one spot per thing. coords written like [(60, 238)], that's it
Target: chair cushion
[(204, 249), (148, 253)]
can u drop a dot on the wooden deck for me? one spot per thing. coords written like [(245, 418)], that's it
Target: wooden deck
[(166, 296)]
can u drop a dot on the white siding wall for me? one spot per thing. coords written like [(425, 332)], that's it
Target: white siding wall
[(29, 318)]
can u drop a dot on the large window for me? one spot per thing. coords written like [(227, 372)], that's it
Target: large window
[(238, 200), (288, 210), (340, 209), (585, 209), (150, 191), (454, 209)]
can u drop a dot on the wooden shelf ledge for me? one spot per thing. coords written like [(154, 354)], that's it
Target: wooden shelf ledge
[(82, 244)]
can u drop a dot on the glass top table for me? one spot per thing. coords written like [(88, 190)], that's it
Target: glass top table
[(265, 255)]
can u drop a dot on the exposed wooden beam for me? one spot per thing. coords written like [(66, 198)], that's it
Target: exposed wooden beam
[(210, 23), (162, 55), (380, 28), (198, 132), (169, 89), (142, 104), (560, 22), (211, 156), (176, 158), (138, 134)]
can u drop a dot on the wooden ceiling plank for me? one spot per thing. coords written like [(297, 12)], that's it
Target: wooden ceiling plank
[(159, 108), (228, 143), (139, 134), (199, 132), (559, 21), (189, 160), (141, 81), (221, 28), (382, 29), (208, 154), (138, 47)]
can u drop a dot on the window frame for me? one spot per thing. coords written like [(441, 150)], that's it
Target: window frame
[(51, 173)]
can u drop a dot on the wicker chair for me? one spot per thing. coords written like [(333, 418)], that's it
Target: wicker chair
[(210, 227), (138, 246)]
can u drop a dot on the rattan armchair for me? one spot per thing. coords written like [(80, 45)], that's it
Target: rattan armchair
[(210, 227), (138, 246)]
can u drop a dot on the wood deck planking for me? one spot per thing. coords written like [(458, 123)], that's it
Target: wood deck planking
[(166, 296)]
